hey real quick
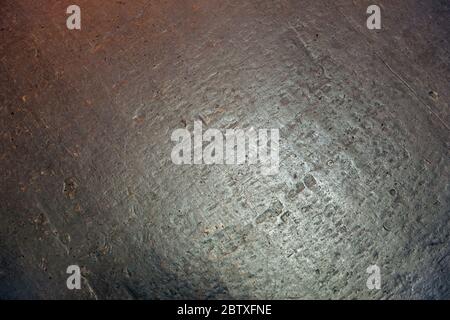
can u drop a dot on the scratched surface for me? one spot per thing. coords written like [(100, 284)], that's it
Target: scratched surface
[(87, 178)]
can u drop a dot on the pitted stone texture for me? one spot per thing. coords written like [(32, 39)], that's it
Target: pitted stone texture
[(364, 149)]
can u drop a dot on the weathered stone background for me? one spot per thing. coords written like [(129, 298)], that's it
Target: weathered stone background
[(87, 179)]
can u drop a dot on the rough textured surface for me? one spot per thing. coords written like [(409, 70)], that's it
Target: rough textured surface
[(87, 179)]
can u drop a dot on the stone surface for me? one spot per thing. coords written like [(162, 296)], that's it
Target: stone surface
[(87, 178)]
